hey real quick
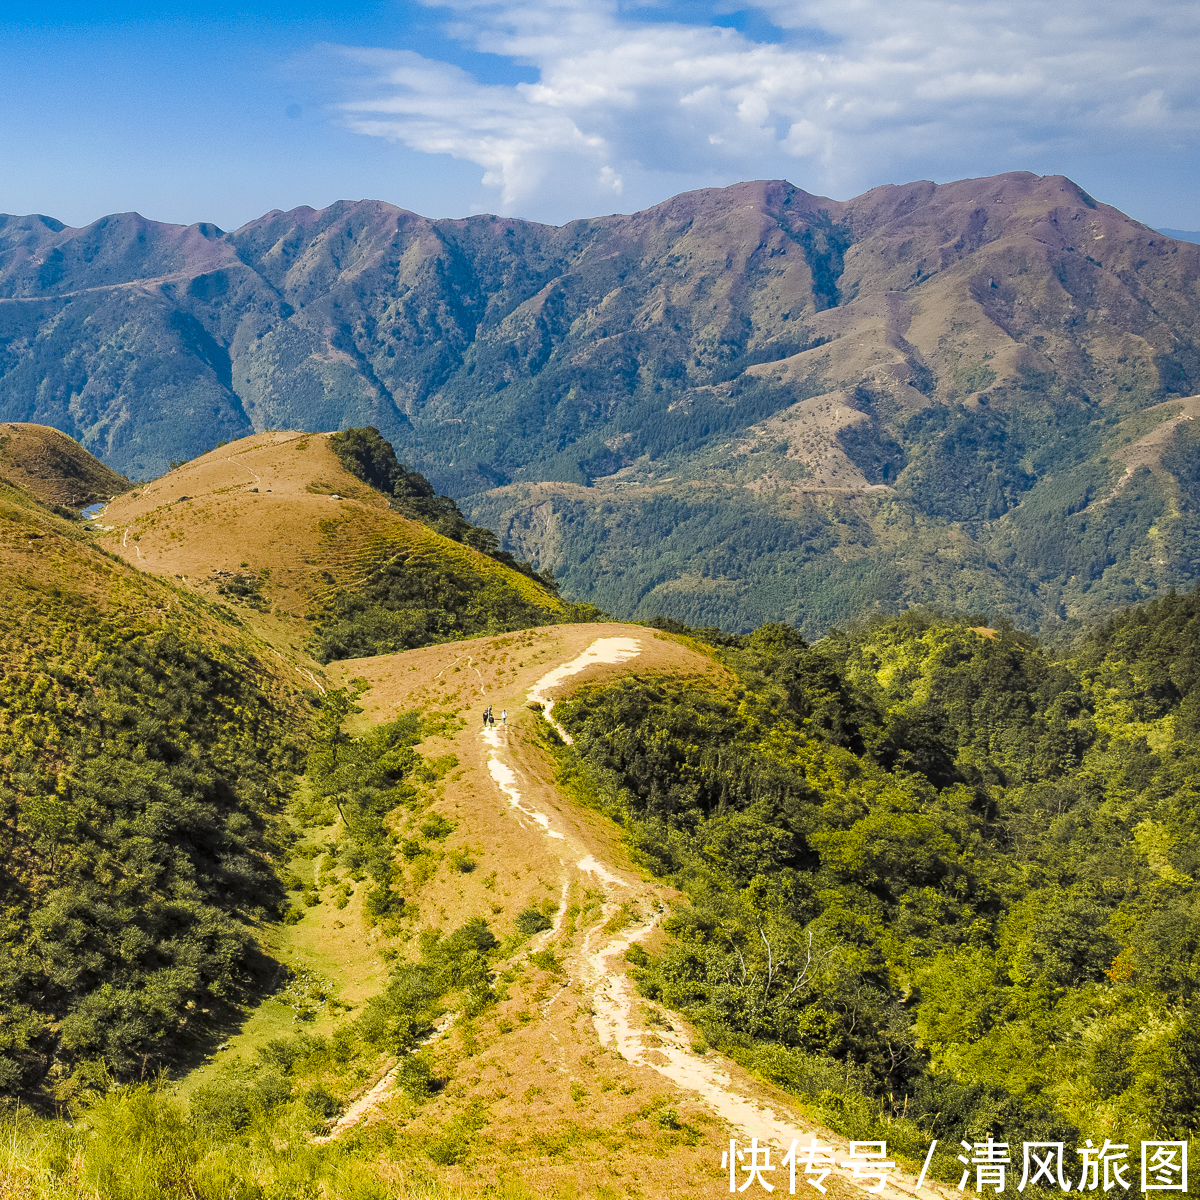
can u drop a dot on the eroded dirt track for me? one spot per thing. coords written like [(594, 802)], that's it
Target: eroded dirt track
[(614, 1004), (589, 1018)]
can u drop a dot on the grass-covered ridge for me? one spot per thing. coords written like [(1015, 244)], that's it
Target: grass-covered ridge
[(54, 467), (411, 586), (369, 457), (939, 880), (277, 526)]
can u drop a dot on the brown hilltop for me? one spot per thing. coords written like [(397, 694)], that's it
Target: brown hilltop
[(54, 467), (281, 506)]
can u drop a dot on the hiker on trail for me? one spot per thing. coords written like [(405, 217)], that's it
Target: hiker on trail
[(487, 716), (504, 717)]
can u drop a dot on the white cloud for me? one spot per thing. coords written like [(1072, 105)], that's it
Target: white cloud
[(852, 92)]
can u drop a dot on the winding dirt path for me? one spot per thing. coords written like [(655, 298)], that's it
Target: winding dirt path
[(615, 1005), (569, 850)]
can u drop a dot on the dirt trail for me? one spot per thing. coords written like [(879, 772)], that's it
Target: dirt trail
[(564, 849), (381, 1089), (613, 1001)]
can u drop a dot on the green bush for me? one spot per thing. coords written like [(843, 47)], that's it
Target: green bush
[(531, 921), (284, 1054), (320, 1101), (414, 1077), (230, 1103)]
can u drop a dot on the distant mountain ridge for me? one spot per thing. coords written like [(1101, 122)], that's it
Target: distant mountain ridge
[(742, 404), (1183, 235)]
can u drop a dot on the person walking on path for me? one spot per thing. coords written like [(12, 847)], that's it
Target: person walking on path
[(504, 717), (487, 717)]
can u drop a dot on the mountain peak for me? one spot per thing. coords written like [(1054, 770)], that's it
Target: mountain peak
[(735, 385)]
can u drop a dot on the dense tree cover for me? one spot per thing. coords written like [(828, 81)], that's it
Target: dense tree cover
[(139, 772), (936, 876), (365, 454), (416, 600)]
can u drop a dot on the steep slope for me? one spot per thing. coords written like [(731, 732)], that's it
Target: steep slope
[(277, 526), (145, 749), (753, 401), (156, 698), (55, 468)]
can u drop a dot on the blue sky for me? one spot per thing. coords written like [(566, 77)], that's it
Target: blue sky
[(552, 109)]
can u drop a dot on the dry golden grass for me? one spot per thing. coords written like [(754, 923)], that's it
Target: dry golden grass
[(279, 503), (54, 467)]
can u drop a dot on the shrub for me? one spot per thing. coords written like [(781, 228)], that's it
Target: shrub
[(547, 961), (284, 1054), (461, 860), (319, 1100), (437, 827), (229, 1104), (531, 921), (414, 1077)]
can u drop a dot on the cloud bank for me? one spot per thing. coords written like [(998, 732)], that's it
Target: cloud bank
[(836, 95)]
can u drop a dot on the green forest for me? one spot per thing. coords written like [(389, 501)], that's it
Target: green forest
[(940, 880)]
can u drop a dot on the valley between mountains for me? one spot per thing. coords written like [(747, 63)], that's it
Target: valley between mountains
[(582, 1080), (741, 405)]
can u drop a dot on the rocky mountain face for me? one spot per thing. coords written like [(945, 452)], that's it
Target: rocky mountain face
[(743, 404)]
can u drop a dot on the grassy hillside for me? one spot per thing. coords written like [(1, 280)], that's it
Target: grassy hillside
[(146, 748), (55, 468), (742, 404), (925, 878), (514, 1097), (275, 526), (154, 661)]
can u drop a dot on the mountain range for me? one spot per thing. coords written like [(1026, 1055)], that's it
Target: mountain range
[(743, 404)]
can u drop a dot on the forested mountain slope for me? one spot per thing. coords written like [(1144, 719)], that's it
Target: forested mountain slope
[(147, 744), (938, 878), (742, 404)]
